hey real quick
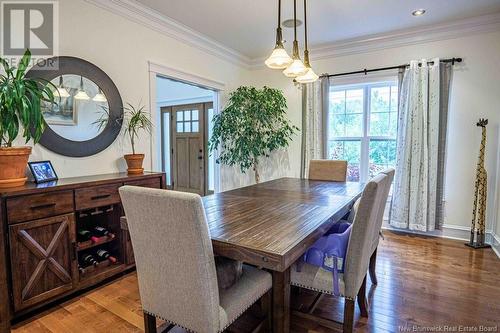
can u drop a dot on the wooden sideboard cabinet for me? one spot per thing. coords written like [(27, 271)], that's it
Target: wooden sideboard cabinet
[(40, 250)]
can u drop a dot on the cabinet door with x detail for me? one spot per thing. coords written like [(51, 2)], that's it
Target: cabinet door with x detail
[(42, 259)]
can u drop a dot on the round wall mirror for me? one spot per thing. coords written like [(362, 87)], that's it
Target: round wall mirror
[(88, 112)]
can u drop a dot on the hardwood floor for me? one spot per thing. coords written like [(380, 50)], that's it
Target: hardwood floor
[(422, 281)]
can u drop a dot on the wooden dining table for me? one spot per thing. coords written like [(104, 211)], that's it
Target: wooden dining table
[(271, 224)]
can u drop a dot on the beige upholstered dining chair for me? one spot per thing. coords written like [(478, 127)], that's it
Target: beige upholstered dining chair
[(328, 170), (352, 283), (380, 220), (176, 267)]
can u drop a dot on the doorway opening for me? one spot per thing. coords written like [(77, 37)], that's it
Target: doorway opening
[(186, 113)]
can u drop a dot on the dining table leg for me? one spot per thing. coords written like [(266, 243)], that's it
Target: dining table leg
[(281, 301)]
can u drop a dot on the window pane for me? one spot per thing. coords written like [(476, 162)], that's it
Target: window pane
[(180, 127), (337, 125), (380, 99), (187, 115), (354, 101), (337, 101), (194, 113), (179, 116), (394, 98), (354, 125), (195, 126), (380, 124), (393, 124), (187, 127), (382, 155), (349, 151)]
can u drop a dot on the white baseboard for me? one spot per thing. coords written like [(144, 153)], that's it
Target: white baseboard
[(495, 244), (454, 232)]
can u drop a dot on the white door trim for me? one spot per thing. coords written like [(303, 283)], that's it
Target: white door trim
[(159, 70)]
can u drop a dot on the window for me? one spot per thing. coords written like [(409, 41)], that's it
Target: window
[(188, 121), (362, 127)]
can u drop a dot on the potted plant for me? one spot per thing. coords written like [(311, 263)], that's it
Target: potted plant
[(136, 119), (251, 126), (20, 111)]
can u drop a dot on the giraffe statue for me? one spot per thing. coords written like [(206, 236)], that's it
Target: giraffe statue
[(479, 206)]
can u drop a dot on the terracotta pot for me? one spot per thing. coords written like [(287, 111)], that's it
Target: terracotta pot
[(13, 162), (134, 163)]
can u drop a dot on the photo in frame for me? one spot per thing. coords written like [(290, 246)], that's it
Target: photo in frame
[(43, 171)]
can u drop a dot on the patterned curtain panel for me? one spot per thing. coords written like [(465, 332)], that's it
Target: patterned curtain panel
[(423, 110), (315, 97)]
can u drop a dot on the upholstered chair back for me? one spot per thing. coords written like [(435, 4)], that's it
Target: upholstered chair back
[(364, 229), (174, 256), (328, 170), (385, 194)]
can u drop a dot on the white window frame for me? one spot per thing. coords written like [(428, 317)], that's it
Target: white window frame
[(364, 166)]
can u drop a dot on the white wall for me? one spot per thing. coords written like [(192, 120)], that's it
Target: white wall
[(122, 49), (475, 94)]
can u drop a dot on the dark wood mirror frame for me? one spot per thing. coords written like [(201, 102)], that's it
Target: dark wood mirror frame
[(71, 65)]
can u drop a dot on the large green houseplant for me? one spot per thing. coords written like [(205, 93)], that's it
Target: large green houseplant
[(20, 115), (251, 126)]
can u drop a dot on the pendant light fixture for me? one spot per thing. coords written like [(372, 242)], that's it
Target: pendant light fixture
[(100, 97), (309, 76), (279, 59), (82, 95), (296, 68), (61, 91)]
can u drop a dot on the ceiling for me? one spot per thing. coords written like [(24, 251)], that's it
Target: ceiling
[(248, 26)]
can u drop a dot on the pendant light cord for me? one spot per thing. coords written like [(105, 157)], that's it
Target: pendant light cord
[(279, 14), (305, 24), (295, 19)]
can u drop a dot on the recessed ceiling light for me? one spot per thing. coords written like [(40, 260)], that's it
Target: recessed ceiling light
[(289, 23), (418, 12)]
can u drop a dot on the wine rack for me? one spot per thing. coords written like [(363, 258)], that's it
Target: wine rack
[(107, 217)]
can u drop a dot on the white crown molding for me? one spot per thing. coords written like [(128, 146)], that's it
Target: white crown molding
[(432, 33), (150, 18)]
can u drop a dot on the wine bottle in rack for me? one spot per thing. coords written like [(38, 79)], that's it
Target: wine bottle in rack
[(100, 231), (83, 235), (103, 255), (89, 260)]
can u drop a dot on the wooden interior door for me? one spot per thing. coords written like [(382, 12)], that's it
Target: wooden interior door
[(42, 259), (188, 142)]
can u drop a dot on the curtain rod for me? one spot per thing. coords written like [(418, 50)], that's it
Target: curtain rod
[(366, 71)]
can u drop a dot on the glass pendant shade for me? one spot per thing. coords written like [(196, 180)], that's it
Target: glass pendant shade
[(308, 77), (100, 97), (279, 59), (296, 68), (81, 95), (61, 91)]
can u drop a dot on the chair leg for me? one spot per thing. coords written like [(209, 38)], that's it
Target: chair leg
[(362, 302), (371, 269), (149, 323), (348, 316)]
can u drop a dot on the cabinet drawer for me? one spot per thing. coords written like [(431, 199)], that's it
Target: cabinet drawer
[(37, 206), (97, 196), (151, 183)]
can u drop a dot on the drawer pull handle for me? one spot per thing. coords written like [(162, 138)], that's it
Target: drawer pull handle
[(49, 205), (99, 197)]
